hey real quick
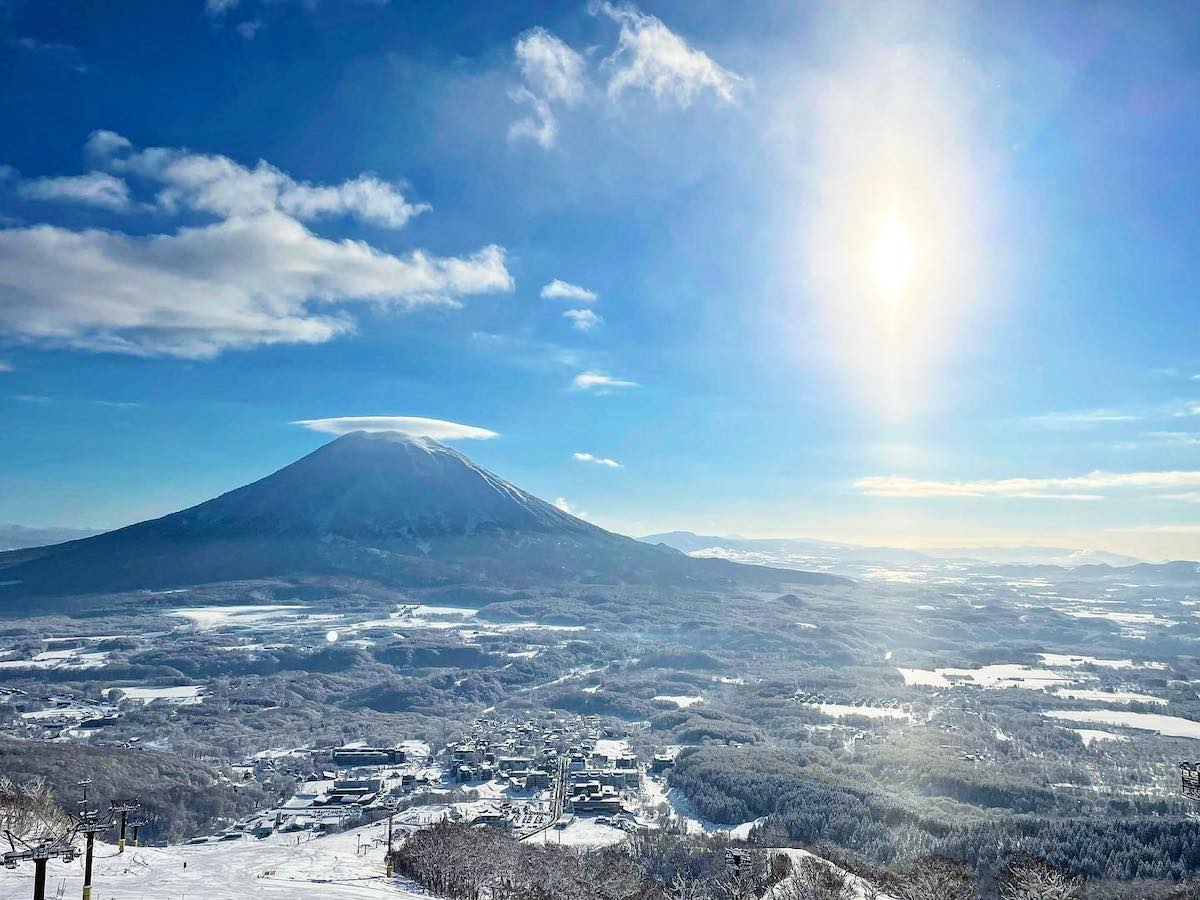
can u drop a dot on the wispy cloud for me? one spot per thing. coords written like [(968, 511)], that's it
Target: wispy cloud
[(216, 184), (1092, 486), (651, 57), (524, 352), (93, 189), (599, 382), (30, 398), (552, 73), (598, 460), (219, 7), (63, 54), (1081, 418), (582, 319), (5, 366), (257, 275), (414, 426), (564, 290), (1184, 438), (565, 505), (1163, 529), (117, 404), (249, 28)]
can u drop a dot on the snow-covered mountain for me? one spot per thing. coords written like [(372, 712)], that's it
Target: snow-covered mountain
[(382, 506), (384, 484)]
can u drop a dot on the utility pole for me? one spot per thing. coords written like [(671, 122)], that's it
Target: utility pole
[(41, 852), (124, 808)]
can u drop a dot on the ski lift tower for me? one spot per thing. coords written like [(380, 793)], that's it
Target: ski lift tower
[(41, 851), (88, 822), (123, 808)]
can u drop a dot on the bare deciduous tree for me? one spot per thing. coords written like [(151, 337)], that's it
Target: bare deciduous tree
[(1027, 878)]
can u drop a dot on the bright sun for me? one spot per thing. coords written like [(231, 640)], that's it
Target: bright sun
[(892, 257)]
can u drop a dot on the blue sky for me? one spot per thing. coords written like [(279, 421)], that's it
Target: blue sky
[(904, 274)]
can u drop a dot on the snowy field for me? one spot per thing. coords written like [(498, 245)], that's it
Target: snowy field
[(998, 676), (682, 701), (346, 866), (1168, 726), (842, 711), (181, 694), (74, 658)]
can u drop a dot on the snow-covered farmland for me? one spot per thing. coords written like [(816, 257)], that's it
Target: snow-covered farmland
[(1169, 726)]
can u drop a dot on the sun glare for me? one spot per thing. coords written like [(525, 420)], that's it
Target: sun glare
[(892, 258), (894, 226)]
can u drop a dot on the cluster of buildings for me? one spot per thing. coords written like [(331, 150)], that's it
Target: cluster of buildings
[(54, 716), (572, 763)]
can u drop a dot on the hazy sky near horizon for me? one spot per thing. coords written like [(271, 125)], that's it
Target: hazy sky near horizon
[(903, 273)]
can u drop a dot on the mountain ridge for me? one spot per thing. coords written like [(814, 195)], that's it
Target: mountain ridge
[(400, 510)]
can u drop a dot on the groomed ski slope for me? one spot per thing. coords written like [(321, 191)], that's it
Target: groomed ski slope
[(325, 867)]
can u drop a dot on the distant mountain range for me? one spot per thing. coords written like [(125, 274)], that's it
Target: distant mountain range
[(380, 506), (808, 552)]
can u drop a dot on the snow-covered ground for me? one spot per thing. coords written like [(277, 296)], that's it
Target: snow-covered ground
[(1169, 726), (182, 694), (859, 886), (842, 711), (1091, 735), (1003, 675), (346, 866), (223, 616), (681, 701), (1108, 696), (1059, 659), (73, 658), (583, 831)]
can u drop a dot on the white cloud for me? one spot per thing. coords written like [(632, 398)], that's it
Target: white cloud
[(1186, 497), (216, 184), (94, 189), (651, 57), (550, 68), (563, 504), (249, 28), (564, 290), (1164, 529), (582, 319), (1185, 438), (237, 283), (552, 73), (219, 7), (102, 144), (256, 276), (5, 366), (599, 383), (541, 127), (1080, 418), (414, 426), (598, 460), (1092, 486)]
